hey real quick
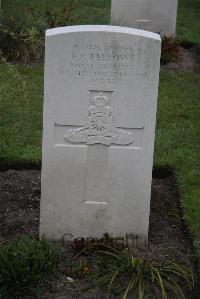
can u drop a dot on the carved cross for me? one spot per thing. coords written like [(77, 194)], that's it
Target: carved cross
[(99, 134)]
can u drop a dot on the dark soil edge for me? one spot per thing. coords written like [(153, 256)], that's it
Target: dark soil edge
[(5, 166), (194, 260), (158, 171)]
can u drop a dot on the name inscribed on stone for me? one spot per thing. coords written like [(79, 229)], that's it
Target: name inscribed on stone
[(103, 63)]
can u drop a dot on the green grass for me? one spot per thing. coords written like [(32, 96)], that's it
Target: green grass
[(98, 12), (188, 21), (55, 5), (83, 12), (21, 113), (177, 138)]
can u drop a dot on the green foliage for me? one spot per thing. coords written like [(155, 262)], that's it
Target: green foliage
[(19, 39), (197, 248), (169, 50), (22, 35), (61, 18), (122, 272), (81, 12), (23, 25), (23, 263)]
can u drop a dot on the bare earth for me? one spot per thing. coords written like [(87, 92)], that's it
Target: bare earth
[(19, 214)]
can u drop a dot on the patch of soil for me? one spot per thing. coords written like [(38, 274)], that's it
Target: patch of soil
[(19, 214), (188, 60), (19, 203)]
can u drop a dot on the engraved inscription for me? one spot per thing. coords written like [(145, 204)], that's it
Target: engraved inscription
[(108, 63), (100, 128)]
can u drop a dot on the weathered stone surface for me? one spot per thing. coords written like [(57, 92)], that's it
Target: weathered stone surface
[(152, 15), (101, 85)]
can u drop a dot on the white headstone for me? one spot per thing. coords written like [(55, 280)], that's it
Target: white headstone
[(101, 85), (152, 15)]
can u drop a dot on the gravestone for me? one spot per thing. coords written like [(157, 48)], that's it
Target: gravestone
[(152, 15), (100, 97)]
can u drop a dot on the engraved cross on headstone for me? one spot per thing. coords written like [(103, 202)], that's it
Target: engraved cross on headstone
[(99, 134)]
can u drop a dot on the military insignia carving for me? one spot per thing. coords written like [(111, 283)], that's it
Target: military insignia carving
[(100, 128)]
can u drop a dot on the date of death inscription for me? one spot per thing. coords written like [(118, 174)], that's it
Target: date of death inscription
[(103, 63)]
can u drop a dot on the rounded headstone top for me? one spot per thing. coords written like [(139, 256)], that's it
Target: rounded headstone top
[(102, 28)]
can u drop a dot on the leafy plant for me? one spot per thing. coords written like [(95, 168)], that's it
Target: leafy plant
[(20, 40), (197, 249), (169, 49), (23, 263), (59, 19), (22, 36), (18, 78), (123, 272)]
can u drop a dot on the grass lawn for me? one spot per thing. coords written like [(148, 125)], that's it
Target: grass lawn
[(21, 99), (188, 21), (177, 138), (177, 142), (83, 12)]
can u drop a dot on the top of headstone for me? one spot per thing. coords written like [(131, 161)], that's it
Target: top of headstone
[(101, 28)]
